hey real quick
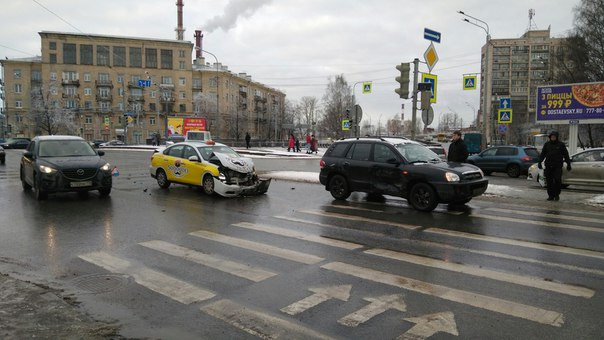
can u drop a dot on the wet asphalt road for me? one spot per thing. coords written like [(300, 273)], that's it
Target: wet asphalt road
[(177, 264)]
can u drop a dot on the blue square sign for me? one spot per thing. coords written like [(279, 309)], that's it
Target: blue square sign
[(505, 103)]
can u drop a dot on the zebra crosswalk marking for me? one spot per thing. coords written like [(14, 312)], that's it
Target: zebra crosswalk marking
[(519, 222), (230, 267), (166, 285), (540, 214), (360, 219)]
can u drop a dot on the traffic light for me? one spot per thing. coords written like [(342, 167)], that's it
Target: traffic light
[(403, 80), (347, 116)]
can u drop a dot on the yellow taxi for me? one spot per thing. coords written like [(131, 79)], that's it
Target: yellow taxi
[(214, 167)]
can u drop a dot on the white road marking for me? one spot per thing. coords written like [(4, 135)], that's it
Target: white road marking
[(525, 244), (158, 282), (540, 214), (428, 325), (376, 307), (259, 247), (528, 281), (514, 309), (519, 221), (320, 295), (230, 267), (259, 324), (360, 219), (298, 235), (583, 213), (300, 220)]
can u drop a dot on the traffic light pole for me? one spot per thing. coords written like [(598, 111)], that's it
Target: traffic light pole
[(415, 92)]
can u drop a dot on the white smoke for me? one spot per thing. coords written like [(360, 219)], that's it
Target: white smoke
[(232, 12)]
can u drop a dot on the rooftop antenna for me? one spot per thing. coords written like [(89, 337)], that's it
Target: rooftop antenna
[(532, 25)]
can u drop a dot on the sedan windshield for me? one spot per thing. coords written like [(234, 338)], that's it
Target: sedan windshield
[(65, 148), (415, 153)]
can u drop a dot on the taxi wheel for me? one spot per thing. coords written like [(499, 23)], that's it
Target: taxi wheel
[(162, 179), (208, 185)]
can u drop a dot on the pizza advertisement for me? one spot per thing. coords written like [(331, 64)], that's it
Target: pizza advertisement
[(559, 104)]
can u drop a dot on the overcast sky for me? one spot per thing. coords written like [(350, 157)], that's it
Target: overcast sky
[(295, 46)]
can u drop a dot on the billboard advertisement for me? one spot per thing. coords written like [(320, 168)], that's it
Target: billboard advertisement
[(175, 126), (570, 103), (180, 126)]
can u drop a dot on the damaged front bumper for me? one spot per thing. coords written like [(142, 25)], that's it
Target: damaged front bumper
[(234, 190)]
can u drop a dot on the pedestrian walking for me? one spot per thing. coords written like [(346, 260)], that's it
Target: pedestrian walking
[(248, 138), (313, 145), (297, 145), (307, 145), (554, 153), (292, 143), (458, 151)]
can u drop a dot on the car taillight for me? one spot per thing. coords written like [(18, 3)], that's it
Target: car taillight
[(322, 164), (526, 158)]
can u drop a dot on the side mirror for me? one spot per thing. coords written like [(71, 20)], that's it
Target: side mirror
[(194, 159), (28, 154), (101, 153)]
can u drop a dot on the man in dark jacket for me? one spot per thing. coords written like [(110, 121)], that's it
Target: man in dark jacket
[(458, 151), (555, 154)]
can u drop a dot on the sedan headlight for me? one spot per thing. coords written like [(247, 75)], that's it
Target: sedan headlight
[(47, 170), (452, 177), (221, 177), (106, 167)]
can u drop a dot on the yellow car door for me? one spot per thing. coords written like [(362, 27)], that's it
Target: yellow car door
[(195, 168), (171, 162)]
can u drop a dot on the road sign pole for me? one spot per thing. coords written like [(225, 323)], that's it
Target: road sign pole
[(415, 92)]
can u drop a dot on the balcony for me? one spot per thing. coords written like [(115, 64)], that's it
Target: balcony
[(103, 97), (104, 83), (67, 82), (197, 87), (70, 96), (134, 85), (136, 98)]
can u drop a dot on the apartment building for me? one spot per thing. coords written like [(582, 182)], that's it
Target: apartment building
[(516, 67), (110, 87)]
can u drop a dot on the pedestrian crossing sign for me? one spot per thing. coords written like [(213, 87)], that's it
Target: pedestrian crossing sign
[(432, 79), (366, 87), (469, 82), (504, 116), (345, 124)]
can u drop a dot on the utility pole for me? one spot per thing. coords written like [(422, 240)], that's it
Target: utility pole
[(415, 92)]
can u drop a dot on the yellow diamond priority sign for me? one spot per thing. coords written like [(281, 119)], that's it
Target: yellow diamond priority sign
[(431, 57)]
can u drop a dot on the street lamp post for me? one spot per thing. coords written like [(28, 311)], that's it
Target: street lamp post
[(217, 96), (482, 24), (474, 111)]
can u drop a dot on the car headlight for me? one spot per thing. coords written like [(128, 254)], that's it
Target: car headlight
[(47, 170), (106, 167), (221, 177), (452, 177)]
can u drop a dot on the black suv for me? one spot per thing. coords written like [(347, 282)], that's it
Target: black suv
[(398, 167)]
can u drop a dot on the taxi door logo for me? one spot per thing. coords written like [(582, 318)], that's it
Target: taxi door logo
[(176, 170)]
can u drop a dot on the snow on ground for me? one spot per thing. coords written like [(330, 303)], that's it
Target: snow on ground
[(596, 200), (296, 176)]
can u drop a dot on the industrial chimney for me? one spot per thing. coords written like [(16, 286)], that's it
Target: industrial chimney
[(179, 28), (198, 42)]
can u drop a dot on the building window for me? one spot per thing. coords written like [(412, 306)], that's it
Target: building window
[(181, 65), (213, 82), (71, 104), (104, 77), (120, 92), (88, 120), (136, 57), (182, 95), (69, 54), (166, 59), (166, 80), (152, 107), (152, 93), (119, 56), (104, 92), (88, 105), (87, 91), (18, 104), (120, 78), (183, 108), (70, 90), (120, 107), (70, 75), (105, 106), (150, 57), (52, 45), (196, 83), (18, 88), (181, 53), (182, 81), (151, 120), (17, 74), (52, 58), (87, 77), (86, 54), (36, 75), (102, 55)]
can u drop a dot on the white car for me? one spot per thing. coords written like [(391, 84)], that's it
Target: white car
[(587, 169)]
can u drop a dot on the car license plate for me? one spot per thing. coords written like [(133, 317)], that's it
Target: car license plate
[(81, 184)]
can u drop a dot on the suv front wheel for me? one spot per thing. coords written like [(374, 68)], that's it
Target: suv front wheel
[(423, 197), (338, 187)]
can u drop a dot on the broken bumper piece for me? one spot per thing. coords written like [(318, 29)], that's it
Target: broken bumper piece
[(234, 190)]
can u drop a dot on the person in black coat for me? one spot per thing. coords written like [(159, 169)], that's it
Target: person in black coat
[(555, 154), (458, 151), (247, 140)]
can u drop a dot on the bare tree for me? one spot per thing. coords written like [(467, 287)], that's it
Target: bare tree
[(337, 98), (395, 126), (307, 111), (47, 113)]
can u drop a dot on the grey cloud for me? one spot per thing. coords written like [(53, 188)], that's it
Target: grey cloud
[(232, 12)]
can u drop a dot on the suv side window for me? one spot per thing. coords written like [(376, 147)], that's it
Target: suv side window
[(489, 152), (507, 151), (338, 150), (382, 153), (359, 152)]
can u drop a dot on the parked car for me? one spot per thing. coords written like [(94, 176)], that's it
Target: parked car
[(510, 159), (439, 150), (64, 164), (97, 143), (398, 167), (114, 142), (2, 155), (15, 143), (587, 169), (214, 167), (174, 138)]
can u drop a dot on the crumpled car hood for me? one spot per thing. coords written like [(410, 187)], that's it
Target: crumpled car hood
[(240, 164)]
